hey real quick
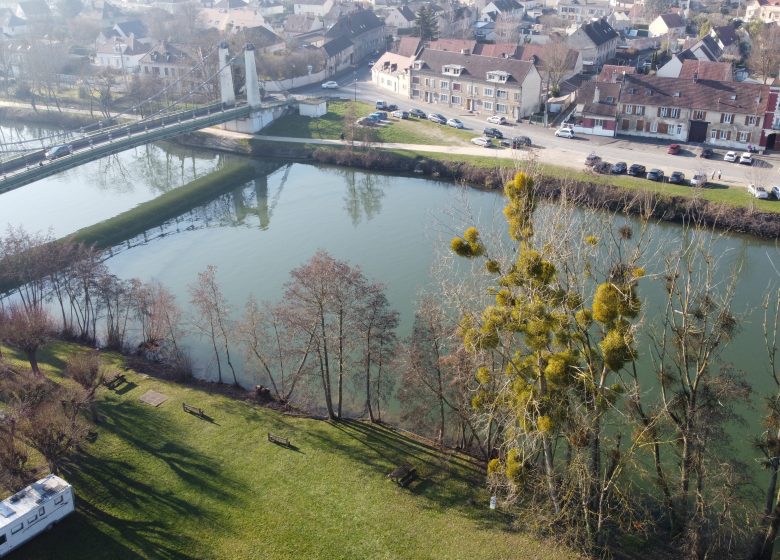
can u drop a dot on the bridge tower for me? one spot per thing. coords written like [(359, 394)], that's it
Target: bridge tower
[(227, 93), (252, 85)]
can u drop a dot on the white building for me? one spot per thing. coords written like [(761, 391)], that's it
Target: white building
[(313, 7), (391, 72)]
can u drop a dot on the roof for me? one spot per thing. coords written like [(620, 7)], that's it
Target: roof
[(452, 45), (599, 31), (700, 94), (504, 50), (260, 36), (706, 70), (129, 46), (538, 55), (709, 46), (406, 12), (355, 24), (727, 34), (606, 106), (311, 2), (35, 8), (392, 63), (506, 5), (299, 23), (672, 20), (30, 498), (230, 4), (613, 73), (337, 45), (475, 65), (136, 27), (169, 54), (10, 19), (408, 46)]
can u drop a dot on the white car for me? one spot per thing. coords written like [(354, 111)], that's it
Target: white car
[(776, 192), (454, 123), (758, 192), (482, 141), (699, 180), (730, 156), (746, 158), (497, 119), (565, 133), (330, 85)]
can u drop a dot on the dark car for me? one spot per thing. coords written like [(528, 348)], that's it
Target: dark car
[(592, 159), (677, 177), (603, 167), (673, 149), (418, 113), (491, 132), (706, 153), (636, 170), (392, 107), (619, 168), (655, 175), (520, 142), (437, 118), (58, 151)]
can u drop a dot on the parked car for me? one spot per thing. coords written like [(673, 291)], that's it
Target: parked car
[(455, 123), (391, 107), (482, 141), (517, 142), (380, 105), (746, 158), (437, 118), (565, 132), (371, 63), (398, 114), (493, 133), (775, 192), (417, 113), (379, 115), (706, 153), (603, 167), (699, 180), (592, 159), (758, 192), (636, 170), (673, 149), (58, 151), (619, 168), (330, 85), (496, 119), (730, 156), (677, 178), (655, 175)]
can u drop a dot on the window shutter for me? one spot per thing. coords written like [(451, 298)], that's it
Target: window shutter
[(747, 119), (728, 135), (722, 117), (659, 112)]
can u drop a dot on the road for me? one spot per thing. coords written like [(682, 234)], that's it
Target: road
[(571, 152)]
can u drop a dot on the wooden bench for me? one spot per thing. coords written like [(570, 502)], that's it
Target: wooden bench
[(403, 475), (115, 381), (193, 410), (278, 440)]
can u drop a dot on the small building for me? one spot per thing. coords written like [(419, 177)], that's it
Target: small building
[(312, 7), (727, 40), (767, 11), (364, 29), (400, 17), (597, 42), (301, 24), (339, 54), (392, 73), (596, 111), (502, 8), (313, 108), (667, 25), (121, 54), (580, 11)]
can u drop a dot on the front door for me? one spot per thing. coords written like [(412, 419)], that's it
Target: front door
[(698, 131)]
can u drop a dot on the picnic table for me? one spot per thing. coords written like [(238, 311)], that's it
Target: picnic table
[(403, 474)]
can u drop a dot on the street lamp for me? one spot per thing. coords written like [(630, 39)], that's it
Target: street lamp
[(355, 85)]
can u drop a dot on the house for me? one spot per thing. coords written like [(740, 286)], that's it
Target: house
[(667, 25), (134, 29), (263, 39), (121, 54), (488, 85), (596, 108), (300, 24), (172, 64), (33, 10), (364, 29), (579, 11), (339, 54), (726, 114), (312, 7), (230, 15), (614, 74), (769, 139), (704, 50), (596, 40), (555, 62), (269, 8), (11, 25), (502, 7), (485, 30), (727, 39), (392, 72), (767, 11), (408, 46), (619, 20), (401, 17), (706, 70)]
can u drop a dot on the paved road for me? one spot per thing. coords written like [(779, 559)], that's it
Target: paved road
[(572, 152)]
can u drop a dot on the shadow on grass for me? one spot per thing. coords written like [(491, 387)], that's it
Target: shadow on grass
[(126, 388)]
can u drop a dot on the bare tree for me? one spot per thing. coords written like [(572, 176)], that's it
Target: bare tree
[(213, 318), (764, 58), (86, 369), (54, 429), (555, 64), (27, 330), (161, 320)]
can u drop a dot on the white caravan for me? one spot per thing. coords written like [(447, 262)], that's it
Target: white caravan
[(33, 510)]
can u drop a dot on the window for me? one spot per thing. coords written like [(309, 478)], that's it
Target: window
[(16, 529), (427, 82), (415, 93), (444, 84), (32, 518), (674, 112), (498, 76), (501, 94), (654, 127), (628, 109), (727, 118), (700, 115), (455, 87), (488, 92), (501, 108), (41, 511), (443, 98), (59, 499), (517, 96), (725, 134), (598, 123), (679, 129), (640, 109), (488, 105), (713, 134), (751, 120), (416, 79), (3, 539), (744, 136), (456, 99), (165, 70)]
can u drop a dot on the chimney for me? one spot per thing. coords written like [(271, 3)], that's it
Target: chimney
[(596, 94)]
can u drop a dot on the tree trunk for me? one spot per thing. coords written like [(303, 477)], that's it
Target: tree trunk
[(764, 543), (341, 360), (32, 355)]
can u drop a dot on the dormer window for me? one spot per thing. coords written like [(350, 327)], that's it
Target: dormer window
[(498, 76), (452, 69), (418, 64)]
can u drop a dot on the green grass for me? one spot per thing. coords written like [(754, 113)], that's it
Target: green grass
[(337, 119), (159, 483)]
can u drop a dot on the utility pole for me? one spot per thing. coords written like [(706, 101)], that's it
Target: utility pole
[(355, 85)]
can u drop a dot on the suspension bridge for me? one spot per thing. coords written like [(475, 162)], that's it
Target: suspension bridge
[(26, 161)]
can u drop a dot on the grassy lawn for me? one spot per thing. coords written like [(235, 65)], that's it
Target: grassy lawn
[(334, 122), (159, 483)]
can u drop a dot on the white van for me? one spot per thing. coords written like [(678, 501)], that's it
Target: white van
[(33, 510)]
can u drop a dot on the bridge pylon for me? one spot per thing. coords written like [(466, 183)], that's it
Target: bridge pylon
[(252, 85), (226, 90)]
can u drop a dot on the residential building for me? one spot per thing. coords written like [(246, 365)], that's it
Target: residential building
[(767, 11), (579, 11), (597, 42), (400, 17), (596, 108), (339, 54), (269, 8), (485, 31), (727, 40), (706, 70), (300, 24), (667, 25), (487, 85), (393, 73), (121, 54), (502, 8), (172, 64), (263, 39), (725, 114), (230, 15), (33, 10), (11, 25), (312, 7), (408, 46), (124, 31), (770, 140), (555, 62), (704, 50), (364, 29), (613, 73), (619, 20)]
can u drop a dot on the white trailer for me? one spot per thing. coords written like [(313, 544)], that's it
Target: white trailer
[(33, 510)]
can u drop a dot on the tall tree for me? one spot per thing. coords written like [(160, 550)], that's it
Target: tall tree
[(86, 369), (426, 23), (28, 330), (764, 58)]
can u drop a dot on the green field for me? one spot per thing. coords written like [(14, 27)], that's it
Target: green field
[(162, 484), (337, 119)]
